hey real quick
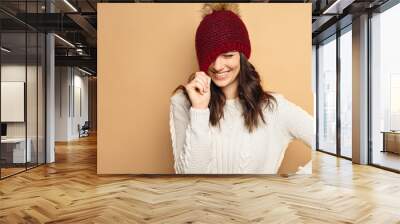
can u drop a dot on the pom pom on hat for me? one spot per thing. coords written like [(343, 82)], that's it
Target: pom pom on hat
[(209, 8)]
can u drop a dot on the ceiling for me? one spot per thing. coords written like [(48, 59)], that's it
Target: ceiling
[(76, 22)]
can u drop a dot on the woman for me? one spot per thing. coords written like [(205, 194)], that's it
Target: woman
[(222, 121)]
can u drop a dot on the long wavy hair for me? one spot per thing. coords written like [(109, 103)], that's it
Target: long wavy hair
[(252, 97)]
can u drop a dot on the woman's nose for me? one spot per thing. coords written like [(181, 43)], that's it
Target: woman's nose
[(218, 64)]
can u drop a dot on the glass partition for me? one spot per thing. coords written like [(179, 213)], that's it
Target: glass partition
[(13, 98), (327, 95), (346, 93), (31, 100), (22, 88), (41, 107), (385, 89)]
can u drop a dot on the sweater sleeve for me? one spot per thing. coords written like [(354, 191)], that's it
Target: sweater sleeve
[(191, 138), (297, 123)]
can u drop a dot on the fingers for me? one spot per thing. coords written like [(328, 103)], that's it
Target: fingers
[(200, 87), (205, 79), (204, 76), (201, 82), (196, 86)]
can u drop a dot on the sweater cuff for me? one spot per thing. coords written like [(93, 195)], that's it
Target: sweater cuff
[(199, 118)]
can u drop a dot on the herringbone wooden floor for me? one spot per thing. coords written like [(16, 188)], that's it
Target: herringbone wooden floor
[(69, 191)]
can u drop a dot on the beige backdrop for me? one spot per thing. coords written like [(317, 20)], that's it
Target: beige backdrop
[(145, 50)]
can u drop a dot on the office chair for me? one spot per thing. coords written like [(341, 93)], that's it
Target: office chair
[(84, 130)]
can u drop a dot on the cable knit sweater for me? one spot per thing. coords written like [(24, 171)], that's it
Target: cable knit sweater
[(201, 148)]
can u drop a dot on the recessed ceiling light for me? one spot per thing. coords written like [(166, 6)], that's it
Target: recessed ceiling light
[(84, 71), (70, 5), (64, 40), (5, 50), (337, 7)]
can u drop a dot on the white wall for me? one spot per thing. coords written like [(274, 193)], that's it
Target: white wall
[(70, 83), (12, 101), (79, 117)]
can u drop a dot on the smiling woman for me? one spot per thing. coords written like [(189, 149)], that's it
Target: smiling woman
[(222, 121), (225, 69)]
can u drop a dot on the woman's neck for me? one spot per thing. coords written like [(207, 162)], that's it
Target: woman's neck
[(231, 91)]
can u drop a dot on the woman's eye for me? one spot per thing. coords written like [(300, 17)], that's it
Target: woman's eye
[(228, 55)]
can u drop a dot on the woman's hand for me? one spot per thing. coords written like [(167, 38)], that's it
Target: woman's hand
[(198, 90)]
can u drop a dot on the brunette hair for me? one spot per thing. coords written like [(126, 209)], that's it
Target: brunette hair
[(252, 97)]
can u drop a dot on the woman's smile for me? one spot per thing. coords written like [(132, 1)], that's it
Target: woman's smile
[(221, 75)]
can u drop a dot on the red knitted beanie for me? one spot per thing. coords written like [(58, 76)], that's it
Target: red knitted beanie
[(219, 32)]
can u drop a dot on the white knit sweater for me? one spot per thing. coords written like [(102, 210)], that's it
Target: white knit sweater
[(203, 149)]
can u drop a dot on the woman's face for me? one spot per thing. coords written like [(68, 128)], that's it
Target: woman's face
[(225, 69)]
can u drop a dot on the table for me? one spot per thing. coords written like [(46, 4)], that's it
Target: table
[(391, 141), (13, 150)]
